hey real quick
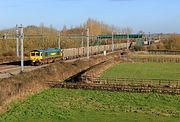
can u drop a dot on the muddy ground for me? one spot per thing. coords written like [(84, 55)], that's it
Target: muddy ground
[(23, 85)]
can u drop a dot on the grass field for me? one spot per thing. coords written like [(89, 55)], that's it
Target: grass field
[(166, 71), (95, 106)]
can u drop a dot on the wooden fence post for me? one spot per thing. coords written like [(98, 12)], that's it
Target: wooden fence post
[(169, 83), (177, 83), (159, 82)]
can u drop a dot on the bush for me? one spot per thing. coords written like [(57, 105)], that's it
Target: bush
[(172, 42), (140, 48)]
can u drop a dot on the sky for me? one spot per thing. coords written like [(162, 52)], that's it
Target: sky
[(154, 16)]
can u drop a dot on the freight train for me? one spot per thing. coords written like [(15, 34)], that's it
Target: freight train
[(38, 57)]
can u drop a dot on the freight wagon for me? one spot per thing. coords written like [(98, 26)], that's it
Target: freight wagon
[(93, 50)]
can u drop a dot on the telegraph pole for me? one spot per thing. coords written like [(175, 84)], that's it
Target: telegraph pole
[(82, 41), (112, 41), (59, 39), (42, 34), (22, 50), (87, 43), (150, 39), (159, 37), (17, 41), (127, 41)]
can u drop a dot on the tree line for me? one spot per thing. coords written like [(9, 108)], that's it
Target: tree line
[(43, 37)]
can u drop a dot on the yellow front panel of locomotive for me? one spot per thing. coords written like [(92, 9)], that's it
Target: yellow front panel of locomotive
[(36, 56)]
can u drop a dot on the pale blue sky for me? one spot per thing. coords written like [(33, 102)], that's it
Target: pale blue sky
[(147, 15)]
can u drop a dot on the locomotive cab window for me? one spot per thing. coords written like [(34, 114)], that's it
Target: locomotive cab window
[(37, 54), (33, 54)]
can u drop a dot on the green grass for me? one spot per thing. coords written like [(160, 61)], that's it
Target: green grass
[(95, 106), (167, 71)]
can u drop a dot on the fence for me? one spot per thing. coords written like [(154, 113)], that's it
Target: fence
[(154, 59), (165, 52), (116, 87), (130, 81)]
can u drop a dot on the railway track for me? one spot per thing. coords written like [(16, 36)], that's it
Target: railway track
[(117, 87), (11, 70)]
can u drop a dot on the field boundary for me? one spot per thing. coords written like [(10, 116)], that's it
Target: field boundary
[(131, 81), (116, 87), (153, 59), (124, 84), (164, 52)]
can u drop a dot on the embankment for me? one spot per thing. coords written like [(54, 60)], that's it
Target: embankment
[(23, 85)]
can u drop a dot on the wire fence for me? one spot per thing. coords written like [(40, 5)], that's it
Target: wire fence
[(155, 59), (132, 81), (164, 52)]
